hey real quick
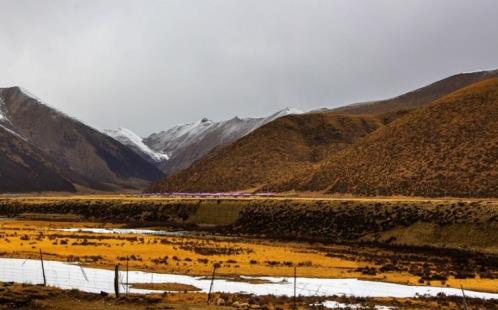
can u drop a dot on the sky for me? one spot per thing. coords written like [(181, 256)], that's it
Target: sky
[(149, 65)]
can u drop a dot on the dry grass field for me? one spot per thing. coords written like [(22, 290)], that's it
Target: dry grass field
[(196, 254)]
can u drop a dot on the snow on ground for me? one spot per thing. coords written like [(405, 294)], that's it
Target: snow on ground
[(337, 305), (125, 231), (71, 276)]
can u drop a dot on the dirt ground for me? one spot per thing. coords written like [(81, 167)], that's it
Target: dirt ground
[(27, 297)]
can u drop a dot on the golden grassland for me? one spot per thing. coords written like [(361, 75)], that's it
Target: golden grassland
[(195, 255)]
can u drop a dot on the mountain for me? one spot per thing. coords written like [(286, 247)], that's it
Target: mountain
[(419, 96), (275, 152), (24, 169), (446, 148), (184, 144), (134, 142), (83, 155)]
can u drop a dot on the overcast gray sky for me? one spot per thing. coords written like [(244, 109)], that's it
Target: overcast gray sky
[(148, 65)]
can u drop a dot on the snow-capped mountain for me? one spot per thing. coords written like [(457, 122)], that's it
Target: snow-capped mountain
[(44, 149), (133, 141), (181, 145)]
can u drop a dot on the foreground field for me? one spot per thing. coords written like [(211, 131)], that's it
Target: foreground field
[(29, 297), (413, 241), (236, 256)]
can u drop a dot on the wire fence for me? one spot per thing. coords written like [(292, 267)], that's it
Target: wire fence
[(66, 275)]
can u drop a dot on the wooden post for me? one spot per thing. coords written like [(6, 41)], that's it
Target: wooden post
[(295, 283), (116, 281), (212, 282), (127, 283), (464, 301), (43, 269)]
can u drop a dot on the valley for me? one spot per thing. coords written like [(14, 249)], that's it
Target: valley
[(411, 242)]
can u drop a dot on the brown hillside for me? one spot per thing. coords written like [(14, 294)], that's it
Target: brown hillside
[(447, 148), (419, 96), (272, 153)]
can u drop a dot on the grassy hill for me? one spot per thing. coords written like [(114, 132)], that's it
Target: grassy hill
[(446, 148), (273, 153), (421, 96)]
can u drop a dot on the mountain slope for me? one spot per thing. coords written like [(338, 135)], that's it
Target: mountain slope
[(447, 148), (24, 169), (272, 153), (85, 156), (135, 143), (419, 96), (187, 143)]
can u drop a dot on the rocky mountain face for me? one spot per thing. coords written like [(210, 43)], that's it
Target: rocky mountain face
[(82, 155), (23, 168)]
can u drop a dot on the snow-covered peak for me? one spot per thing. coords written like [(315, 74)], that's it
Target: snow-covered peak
[(133, 141), (284, 112)]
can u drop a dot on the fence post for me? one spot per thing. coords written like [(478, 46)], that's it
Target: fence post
[(127, 283), (212, 281), (464, 301), (295, 283), (43, 269), (116, 281)]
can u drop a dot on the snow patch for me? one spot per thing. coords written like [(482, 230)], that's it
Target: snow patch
[(72, 276), (3, 110), (132, 140)]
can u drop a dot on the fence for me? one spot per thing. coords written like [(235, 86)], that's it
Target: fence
[(74, 276)]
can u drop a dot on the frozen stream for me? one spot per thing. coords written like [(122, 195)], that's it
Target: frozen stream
[(125, 231), (71, 276)]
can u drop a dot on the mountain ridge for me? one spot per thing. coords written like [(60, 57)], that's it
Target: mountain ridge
[(83, 155), (185, 143)]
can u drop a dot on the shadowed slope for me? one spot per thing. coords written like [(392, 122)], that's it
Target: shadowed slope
[(86, 156), (23, 168)]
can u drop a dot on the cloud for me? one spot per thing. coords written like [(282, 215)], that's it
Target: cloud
[(148, 65)]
